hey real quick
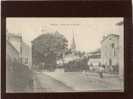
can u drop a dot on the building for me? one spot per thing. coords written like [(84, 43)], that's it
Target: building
[(18, 49), (94, 59), (120, 25), (12, 53), (26, 54), (110, 53), (73, 45), (12, 47), (18, 74), (15, 41), (72, 56)]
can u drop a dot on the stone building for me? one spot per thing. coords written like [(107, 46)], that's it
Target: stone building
[(18, 74), (120, 25), (12, 53), (26, 54), (110, 53), (15, 41), (15, 44), (94, 59)]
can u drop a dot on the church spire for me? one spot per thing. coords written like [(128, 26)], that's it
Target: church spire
[(73, 46)]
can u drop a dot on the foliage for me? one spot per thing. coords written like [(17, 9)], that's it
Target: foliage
[(79, 53), (51, 46), (77, 65)]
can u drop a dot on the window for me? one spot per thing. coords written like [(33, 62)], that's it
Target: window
[(112, 45), (113, 48)]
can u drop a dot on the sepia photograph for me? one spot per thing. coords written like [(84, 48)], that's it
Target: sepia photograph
[(64, 54)]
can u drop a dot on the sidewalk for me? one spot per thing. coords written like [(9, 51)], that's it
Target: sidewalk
[(81, 81)]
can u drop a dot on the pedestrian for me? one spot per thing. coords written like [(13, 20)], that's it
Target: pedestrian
[(100, 71)]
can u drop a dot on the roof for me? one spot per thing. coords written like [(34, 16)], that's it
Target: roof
[(95, 56), (98, 51), (110, 35), (24, 45), (7, 42), (13, 35)]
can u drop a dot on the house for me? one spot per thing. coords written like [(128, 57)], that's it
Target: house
[(121, 49), (11, 53), (70, 57), (15, 40), (26, 54), (94, 59), (110, 53), (18, 49), (18, 75)]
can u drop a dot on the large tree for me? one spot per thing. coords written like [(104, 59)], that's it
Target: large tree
[(49, 47)]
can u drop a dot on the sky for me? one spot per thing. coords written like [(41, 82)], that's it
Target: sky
[(88, 32)]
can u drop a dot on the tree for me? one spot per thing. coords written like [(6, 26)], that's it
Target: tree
[(79, 53), (50, 46)]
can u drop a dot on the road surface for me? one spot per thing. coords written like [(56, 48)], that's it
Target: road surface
[(76, 81), (45, 83)]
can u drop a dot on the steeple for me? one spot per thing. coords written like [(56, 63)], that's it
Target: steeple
[(73, 46)]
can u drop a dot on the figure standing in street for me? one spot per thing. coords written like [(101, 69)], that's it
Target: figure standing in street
[(100, 71)]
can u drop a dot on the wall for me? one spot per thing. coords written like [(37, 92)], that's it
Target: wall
[(110, 51)]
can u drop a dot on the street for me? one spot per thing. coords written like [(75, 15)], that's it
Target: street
[(75, 82), (45, 83)]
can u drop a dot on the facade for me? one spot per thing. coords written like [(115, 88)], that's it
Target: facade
[(120, 25), (12, 55), (110, 53), (70, 57), (11, 51), (12, 47), (26, 54), (94, 59), (15, 44), (15, 40)]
